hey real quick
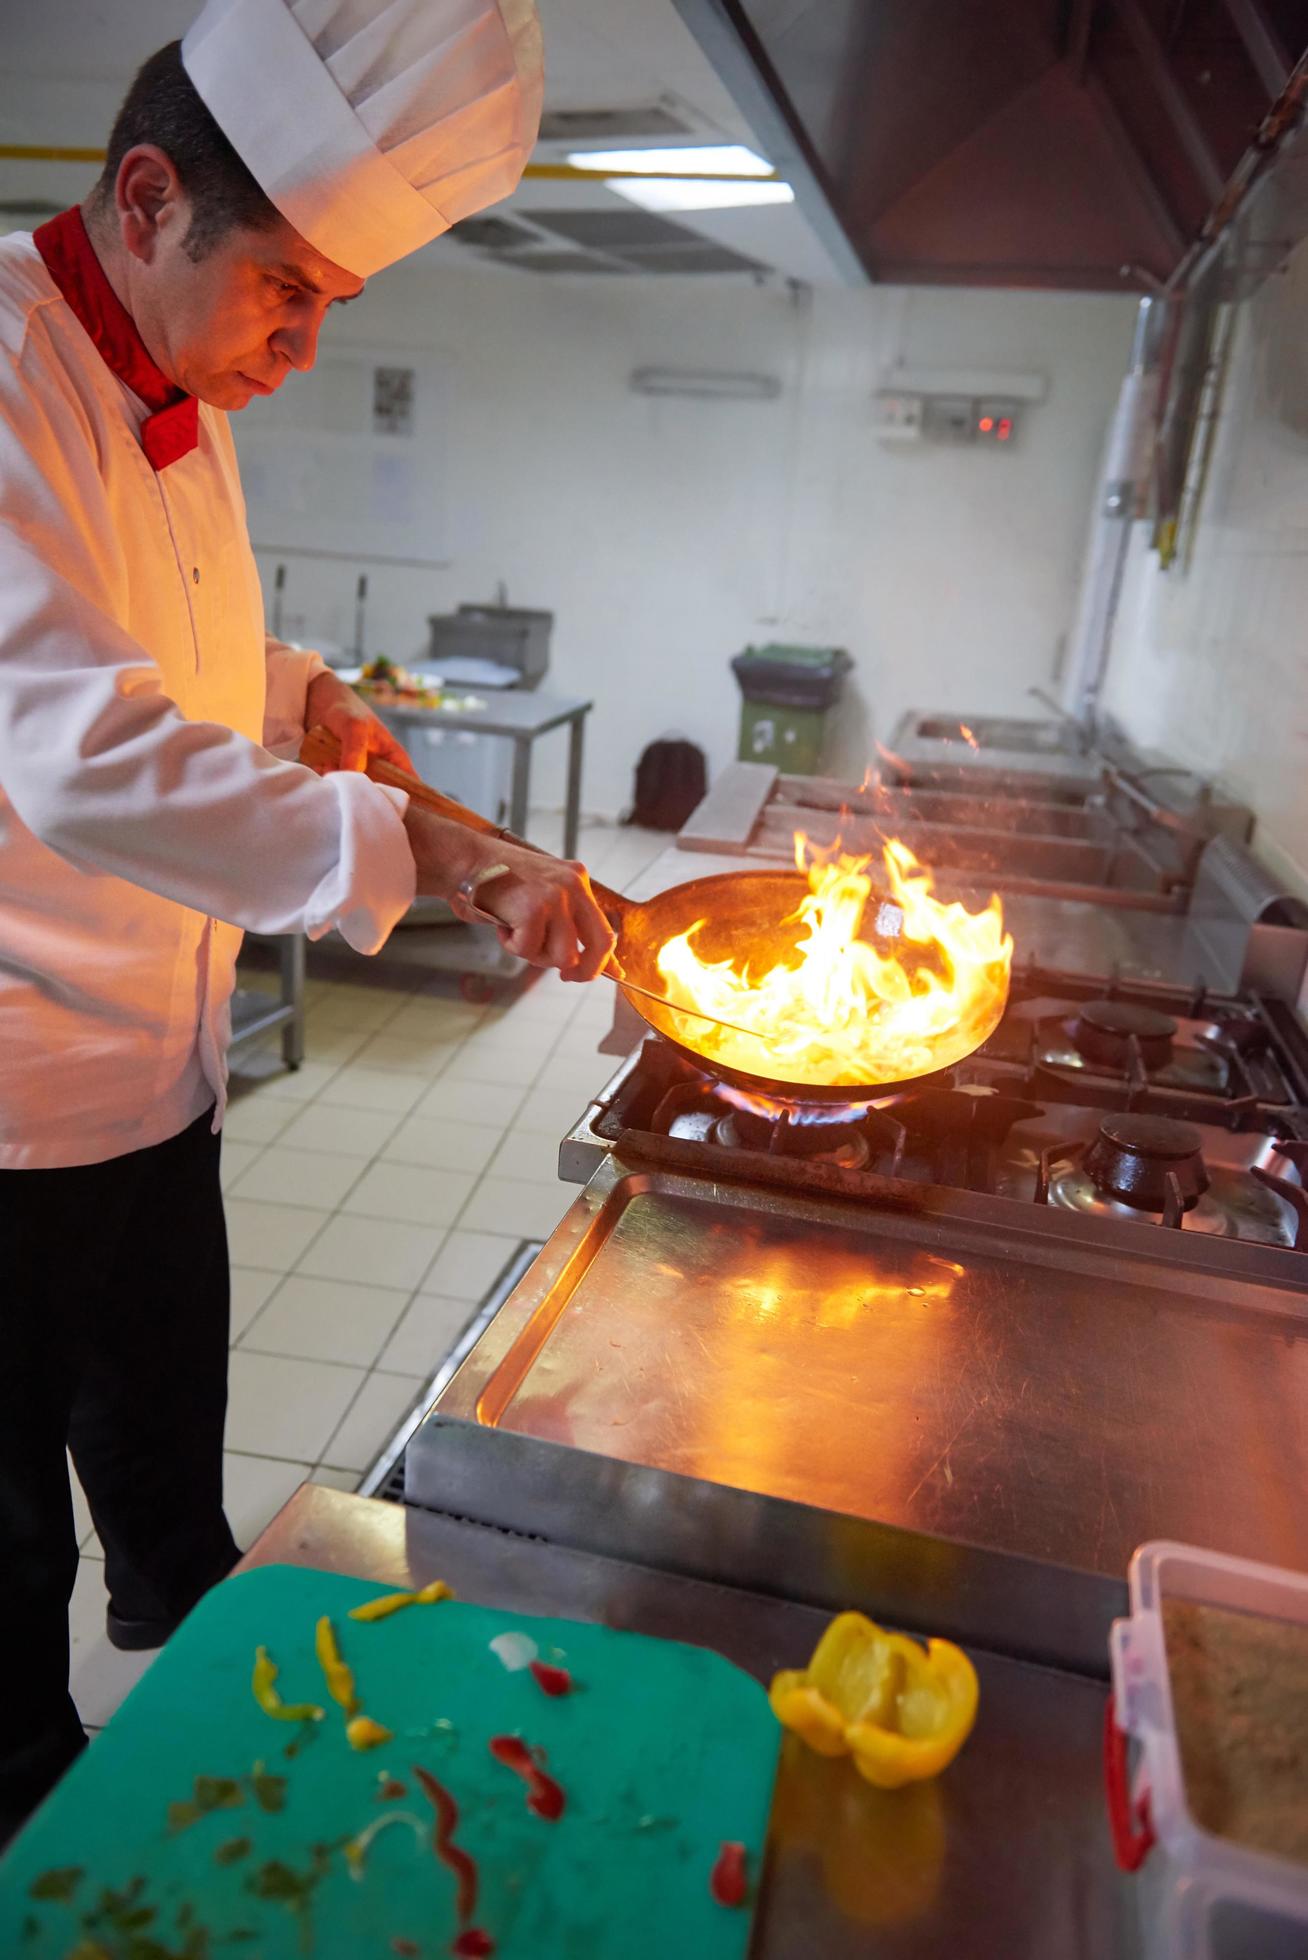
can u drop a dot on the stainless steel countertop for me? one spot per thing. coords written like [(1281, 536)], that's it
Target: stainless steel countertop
[(1005, 1857), (996, 1379), (518, 712)]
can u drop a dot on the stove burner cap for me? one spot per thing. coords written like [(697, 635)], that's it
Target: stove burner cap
[(1105, 1030), (1131, 1157)]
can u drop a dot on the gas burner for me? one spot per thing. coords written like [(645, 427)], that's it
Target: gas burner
[(1114, 1033), (1152, 1169), (1238, 1035), (1149, 1162), (836, 1137)]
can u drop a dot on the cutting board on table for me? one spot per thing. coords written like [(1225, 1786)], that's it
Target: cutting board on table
[(663, 1752)]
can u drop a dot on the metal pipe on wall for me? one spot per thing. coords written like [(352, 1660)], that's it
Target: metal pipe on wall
[(1118, 491)]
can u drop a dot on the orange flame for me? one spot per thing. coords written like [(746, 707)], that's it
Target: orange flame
[(841, 1011), (969, 737)]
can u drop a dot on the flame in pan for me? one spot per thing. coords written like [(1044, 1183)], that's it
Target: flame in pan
[(839, 1008)]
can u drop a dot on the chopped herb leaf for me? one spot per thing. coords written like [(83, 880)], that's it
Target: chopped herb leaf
[(218, 1793), (233, 1851), (277, 1881), (180, 1815), (58, 1884), (269, 1791)]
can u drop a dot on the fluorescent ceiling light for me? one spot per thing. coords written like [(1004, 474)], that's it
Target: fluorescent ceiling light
[(673, 194), (720, 160)]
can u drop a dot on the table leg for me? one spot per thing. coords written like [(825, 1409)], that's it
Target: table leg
[(293, 948), (572, 807), (519, 804)]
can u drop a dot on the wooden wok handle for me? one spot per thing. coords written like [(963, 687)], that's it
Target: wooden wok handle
[(320, 750)]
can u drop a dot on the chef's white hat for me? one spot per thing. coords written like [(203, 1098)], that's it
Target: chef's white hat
[(372, 125)]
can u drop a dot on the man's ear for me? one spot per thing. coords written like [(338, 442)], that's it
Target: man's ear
[(150, 201)]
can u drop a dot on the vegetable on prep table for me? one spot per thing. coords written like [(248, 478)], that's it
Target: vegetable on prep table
[(263, 1687), (337, 1673), (385, 1604), (901, 1711)]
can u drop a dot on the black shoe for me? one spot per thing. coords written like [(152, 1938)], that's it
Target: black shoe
[(138, 1636)]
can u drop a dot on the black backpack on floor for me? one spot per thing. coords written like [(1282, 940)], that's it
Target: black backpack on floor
[(671, 778)]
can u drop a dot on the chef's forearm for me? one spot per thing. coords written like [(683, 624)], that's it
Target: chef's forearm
[(445, 853)]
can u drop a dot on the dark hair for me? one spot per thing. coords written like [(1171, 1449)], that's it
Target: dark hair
[(163, 107)]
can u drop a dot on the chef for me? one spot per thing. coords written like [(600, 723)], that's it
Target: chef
[(150, 806)]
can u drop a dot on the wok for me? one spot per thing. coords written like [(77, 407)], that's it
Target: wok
[(745, 913), (750, 914)]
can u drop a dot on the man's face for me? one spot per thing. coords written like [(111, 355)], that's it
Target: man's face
[(233, 324)]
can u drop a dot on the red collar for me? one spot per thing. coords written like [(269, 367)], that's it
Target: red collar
[(173, 428)]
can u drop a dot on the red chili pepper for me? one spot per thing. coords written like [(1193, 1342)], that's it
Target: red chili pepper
[(474, 1944), (728, 1882), (544, 1795), (449, 1853), (551, 1680)]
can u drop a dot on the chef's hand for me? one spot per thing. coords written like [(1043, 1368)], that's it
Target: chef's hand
[(546, 910), (353, 723)]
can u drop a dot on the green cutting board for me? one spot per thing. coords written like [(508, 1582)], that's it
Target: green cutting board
[(663, 1752)]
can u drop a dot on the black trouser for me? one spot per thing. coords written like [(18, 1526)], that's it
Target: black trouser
[(114, 1310)]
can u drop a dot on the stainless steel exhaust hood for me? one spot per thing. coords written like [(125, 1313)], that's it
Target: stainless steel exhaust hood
[(1068, 144)]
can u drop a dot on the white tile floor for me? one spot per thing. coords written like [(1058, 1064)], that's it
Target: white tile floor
[(373, 1197)]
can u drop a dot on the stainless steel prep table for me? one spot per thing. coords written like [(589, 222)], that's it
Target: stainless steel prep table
[(520, 716), (1006, 1856)]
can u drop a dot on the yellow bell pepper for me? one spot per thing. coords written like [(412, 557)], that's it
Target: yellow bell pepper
[(385, 1604), (339, 1676), (363, 1733), (263, 1686), (902, 1712)]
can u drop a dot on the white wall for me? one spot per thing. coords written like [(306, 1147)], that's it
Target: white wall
[(1208, 657), (667, 535)]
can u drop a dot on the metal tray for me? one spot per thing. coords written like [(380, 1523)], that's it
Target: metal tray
[(964, 1372)]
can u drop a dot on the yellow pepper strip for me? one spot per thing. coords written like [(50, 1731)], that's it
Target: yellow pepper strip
[(902, 1713), (265, 1693), (385, 1604), (363, 1733), (340, 1679)]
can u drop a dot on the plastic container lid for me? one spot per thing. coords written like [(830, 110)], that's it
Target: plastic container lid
[(792, 677), (1213, 1899)]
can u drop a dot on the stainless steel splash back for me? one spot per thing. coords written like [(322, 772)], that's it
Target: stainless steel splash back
[(959, 1369)]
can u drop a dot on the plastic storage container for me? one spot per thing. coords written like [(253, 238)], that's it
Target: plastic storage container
[(511, 636), (1201, 1897), (789, 697)]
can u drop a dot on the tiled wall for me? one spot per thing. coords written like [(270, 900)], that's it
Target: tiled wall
[(1210, 660)]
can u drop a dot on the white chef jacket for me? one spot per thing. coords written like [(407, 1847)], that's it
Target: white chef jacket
[(143, 821)]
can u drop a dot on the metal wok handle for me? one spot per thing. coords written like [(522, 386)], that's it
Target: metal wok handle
[(320, 750)]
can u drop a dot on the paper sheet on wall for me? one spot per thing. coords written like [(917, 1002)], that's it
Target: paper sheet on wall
[(347, 459)]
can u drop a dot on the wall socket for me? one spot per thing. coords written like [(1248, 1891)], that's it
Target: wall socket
[(898, 418)]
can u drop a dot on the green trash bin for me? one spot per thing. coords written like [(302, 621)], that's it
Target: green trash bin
[(787, 711)]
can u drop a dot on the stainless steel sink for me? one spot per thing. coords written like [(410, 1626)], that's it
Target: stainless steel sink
[(1009, 733)]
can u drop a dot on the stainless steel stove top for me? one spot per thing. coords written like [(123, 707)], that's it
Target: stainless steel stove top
[(947, 1355), (1143, 1104)]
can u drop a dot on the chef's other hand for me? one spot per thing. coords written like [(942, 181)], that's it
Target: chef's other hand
[(546, 911), (353, 723)]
